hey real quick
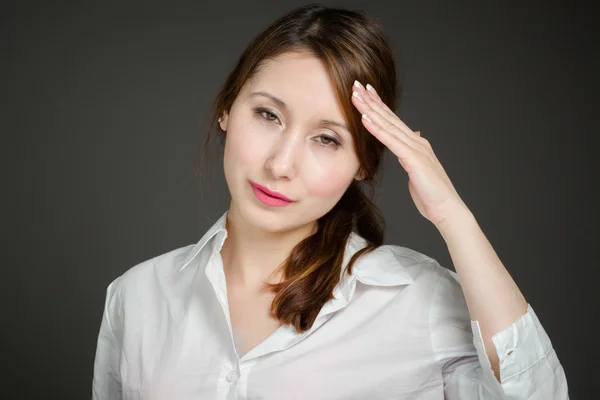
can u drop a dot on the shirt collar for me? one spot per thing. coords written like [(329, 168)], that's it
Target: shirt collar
[(380, 267), (217, 228)]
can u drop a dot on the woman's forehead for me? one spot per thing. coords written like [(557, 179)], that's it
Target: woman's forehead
[(299, 81)]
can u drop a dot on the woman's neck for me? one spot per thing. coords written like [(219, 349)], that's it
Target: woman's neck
[(251, 255)]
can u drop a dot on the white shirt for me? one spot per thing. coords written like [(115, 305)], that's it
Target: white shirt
[(398, 328)]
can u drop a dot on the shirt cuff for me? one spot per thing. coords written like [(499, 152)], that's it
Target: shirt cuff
[(519, 347)]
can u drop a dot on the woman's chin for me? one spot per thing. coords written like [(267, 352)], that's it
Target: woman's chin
[(265, 220)]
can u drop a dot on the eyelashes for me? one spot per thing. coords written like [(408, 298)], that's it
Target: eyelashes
[(261, 111), (328, 141), (271, 117)]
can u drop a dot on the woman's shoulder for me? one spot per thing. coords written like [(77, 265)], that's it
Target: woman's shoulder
[(394, 262), (439, 286), (154, 270), (420, 266)]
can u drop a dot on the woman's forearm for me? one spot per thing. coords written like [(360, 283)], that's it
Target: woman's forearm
[(492, 296)]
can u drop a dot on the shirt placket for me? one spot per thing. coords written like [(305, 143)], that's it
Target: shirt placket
[(234, 372), (231, 372)]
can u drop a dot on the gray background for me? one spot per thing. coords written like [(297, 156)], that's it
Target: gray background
[(102, 109)]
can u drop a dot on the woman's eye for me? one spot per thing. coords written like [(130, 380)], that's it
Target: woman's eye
[(324, 140), (267, 115), (328, 141)]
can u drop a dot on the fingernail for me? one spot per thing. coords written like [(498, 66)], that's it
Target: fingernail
[(355, 94), (369, 87), (357, 84), (365, 116)]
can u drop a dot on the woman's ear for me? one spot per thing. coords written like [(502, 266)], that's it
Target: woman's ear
[(223, 121), (360, 175)]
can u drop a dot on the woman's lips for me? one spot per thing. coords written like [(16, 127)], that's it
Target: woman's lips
[(271, 193), (269, 197)]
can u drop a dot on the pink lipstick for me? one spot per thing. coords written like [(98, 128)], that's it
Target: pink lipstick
[(269, 197)]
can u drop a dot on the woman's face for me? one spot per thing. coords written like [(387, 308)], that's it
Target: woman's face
[(285, 132)]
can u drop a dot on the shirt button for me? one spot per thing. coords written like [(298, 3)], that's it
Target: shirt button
[(232, 376)]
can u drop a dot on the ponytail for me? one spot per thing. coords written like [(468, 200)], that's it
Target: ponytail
[(314, 266)]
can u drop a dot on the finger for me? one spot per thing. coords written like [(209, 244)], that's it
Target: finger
[(368, 94), (390, 117), (372, 90), (397, 146), (382, 122), (375, 96), (405, 154)]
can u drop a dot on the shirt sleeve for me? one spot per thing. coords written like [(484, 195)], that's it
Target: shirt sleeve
[(529, 366), (107, 378)]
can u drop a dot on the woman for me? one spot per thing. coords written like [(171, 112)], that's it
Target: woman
[(291, 294)]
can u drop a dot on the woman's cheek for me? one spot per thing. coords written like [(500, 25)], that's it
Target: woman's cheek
[(247, 147), (327, 175), (328, 184)]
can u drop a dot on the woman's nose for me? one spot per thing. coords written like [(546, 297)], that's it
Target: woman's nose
[(283, 161)]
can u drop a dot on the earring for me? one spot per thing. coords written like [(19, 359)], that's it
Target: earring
[(221, 119)]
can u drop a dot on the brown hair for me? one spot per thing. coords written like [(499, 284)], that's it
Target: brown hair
[(352, 46)]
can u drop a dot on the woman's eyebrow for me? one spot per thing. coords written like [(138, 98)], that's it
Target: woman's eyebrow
[(281, 103), (278, 101), (327, 123)]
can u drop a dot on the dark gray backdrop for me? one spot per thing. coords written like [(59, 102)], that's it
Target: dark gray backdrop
[(102, 109)]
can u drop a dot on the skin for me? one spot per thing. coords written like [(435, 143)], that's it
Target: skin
[(288, 149), (493, 298), (287, 158)]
